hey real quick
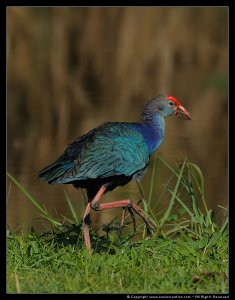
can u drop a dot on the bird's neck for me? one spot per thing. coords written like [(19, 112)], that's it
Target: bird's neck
[(153, 131)]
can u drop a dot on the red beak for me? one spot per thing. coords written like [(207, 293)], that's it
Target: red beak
[(182, 113)]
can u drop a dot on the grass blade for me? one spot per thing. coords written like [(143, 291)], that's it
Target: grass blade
[(43, 211), (173, 197), (152, 179), (23, 190), (72, 208)]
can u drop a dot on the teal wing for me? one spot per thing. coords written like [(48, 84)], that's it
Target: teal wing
[(114, 149)]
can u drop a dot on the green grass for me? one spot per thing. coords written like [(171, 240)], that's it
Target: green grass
[(187, 254), (157, 265)]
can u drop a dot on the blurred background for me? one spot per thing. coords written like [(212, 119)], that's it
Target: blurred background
[(70, 69)]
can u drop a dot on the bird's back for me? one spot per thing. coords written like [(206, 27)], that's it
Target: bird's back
[(110, 150)]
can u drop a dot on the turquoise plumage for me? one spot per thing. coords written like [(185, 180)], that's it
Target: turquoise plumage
[(114, 153)]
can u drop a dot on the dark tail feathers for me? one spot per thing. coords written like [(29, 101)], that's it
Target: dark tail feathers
[(54, 171)]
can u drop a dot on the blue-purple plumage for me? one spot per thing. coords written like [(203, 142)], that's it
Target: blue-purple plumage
[(113, 153)]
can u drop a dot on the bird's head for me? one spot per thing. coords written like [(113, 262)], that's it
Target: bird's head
[(166, 106)]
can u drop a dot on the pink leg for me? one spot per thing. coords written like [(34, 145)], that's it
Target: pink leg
[(86, 226), (123, 218), (123, 203), (86, 219), (133, 218), (94, 204)]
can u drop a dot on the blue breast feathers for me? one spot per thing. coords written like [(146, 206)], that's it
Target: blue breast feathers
[(153, 133)]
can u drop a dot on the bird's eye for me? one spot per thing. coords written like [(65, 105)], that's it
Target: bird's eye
[(171, 103)]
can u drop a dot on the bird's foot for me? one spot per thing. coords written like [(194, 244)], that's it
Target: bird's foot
[(150, 229), (122, 224)]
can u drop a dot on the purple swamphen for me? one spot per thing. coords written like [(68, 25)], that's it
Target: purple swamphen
[(112, 155)]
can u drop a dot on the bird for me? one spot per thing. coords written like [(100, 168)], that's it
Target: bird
[(112, 155)]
